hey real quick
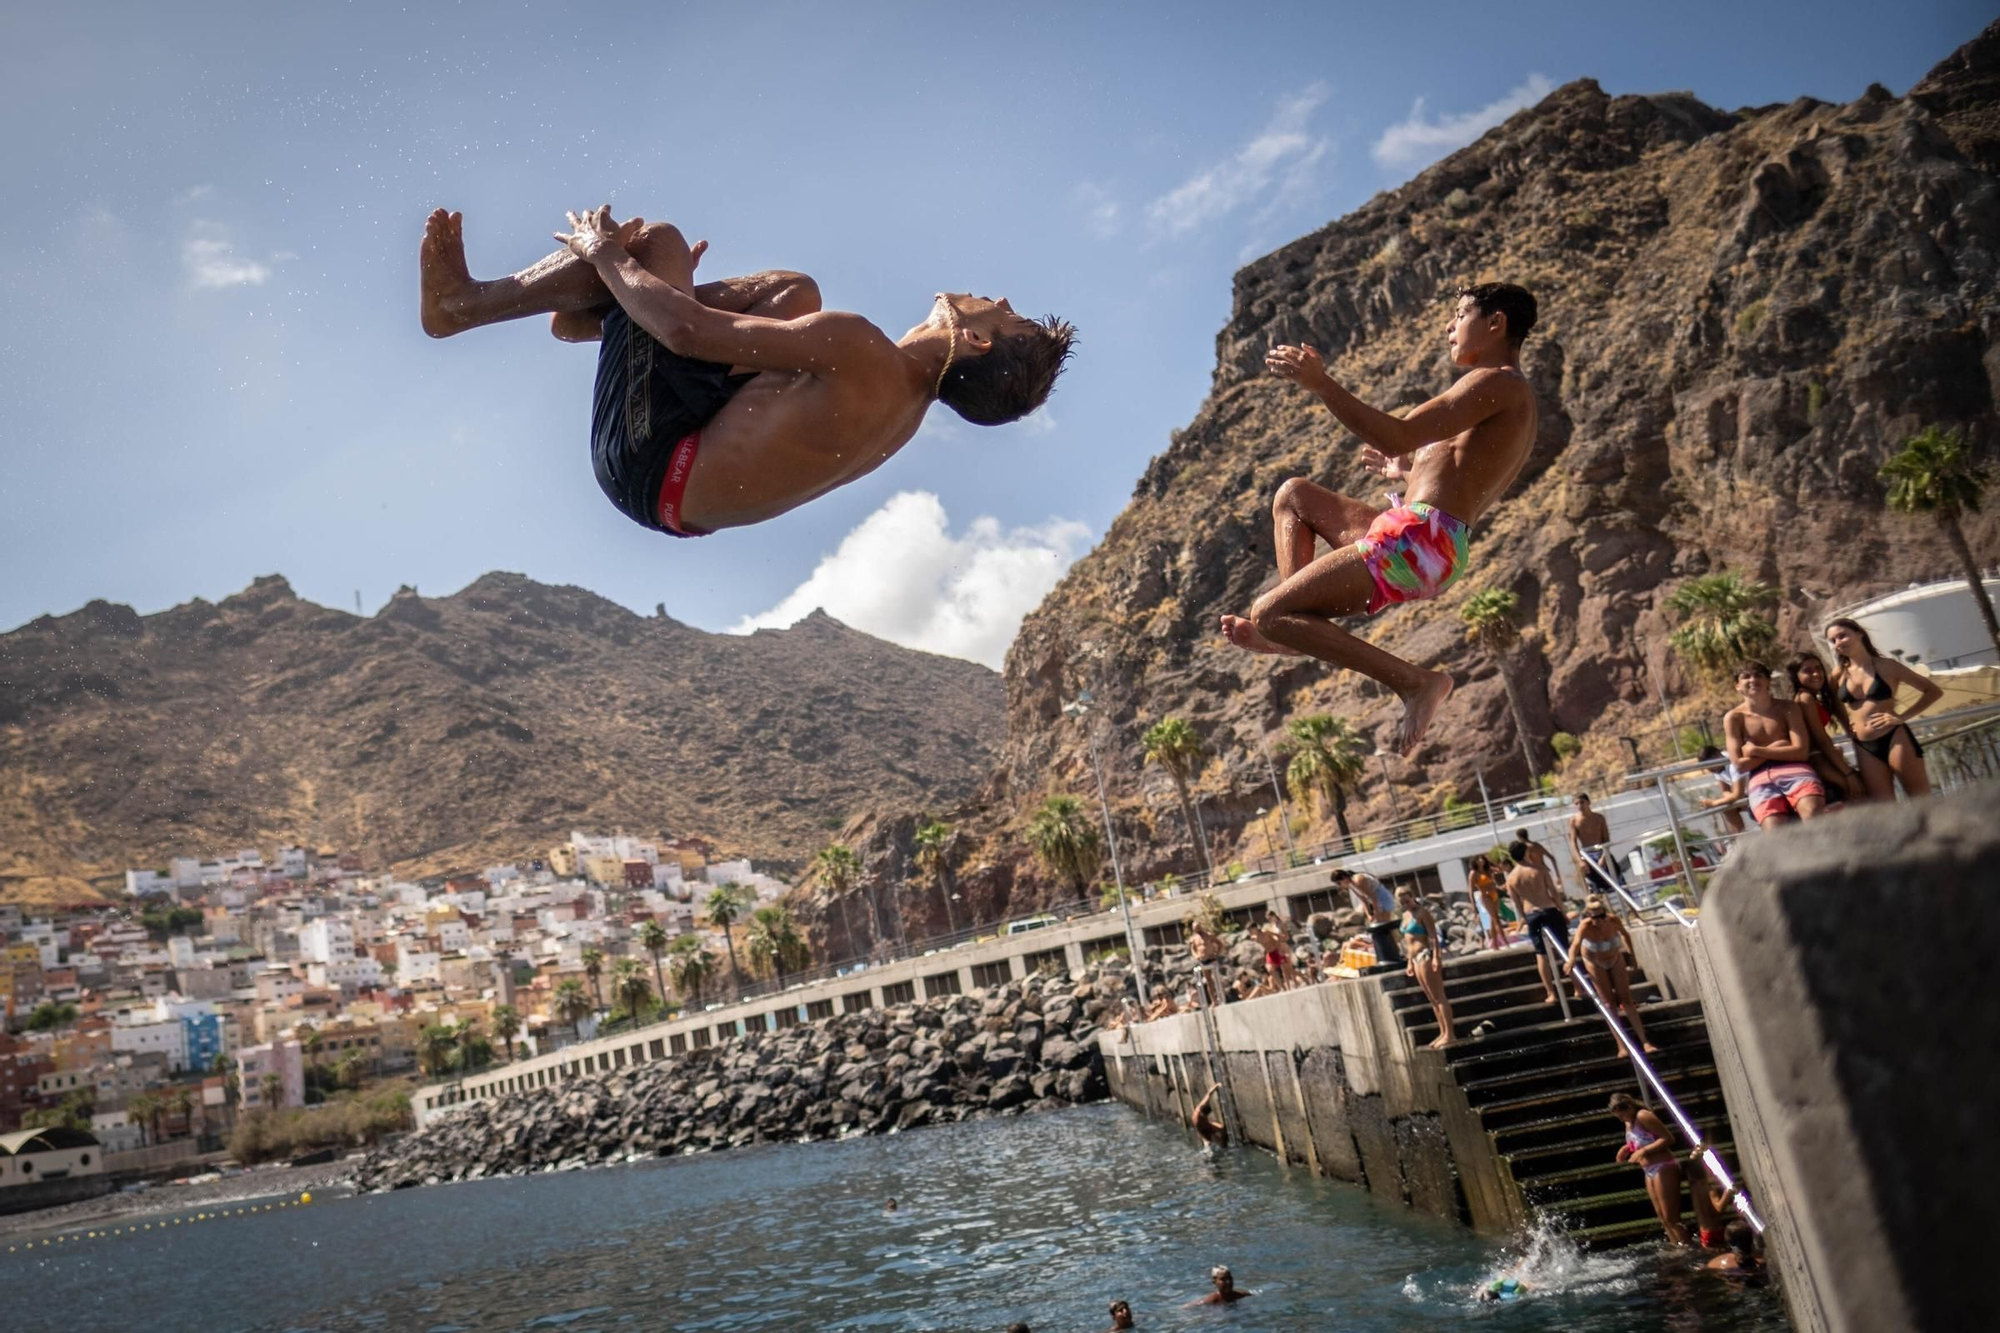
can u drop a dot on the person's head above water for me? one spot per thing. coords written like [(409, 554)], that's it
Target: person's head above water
[(1221, 1277), (1121, 1314), (1000, 366), (1489, 319)]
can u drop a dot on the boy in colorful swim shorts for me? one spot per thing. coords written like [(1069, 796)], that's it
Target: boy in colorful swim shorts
[(728, 403), (1455, 454), (1768, 742)]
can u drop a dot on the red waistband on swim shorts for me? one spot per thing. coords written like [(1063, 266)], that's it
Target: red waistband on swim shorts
[(673, 487)]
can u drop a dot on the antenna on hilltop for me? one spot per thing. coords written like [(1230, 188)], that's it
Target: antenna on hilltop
[(357, 601)]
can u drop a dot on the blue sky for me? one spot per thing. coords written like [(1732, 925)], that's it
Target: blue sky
[(211, 367)]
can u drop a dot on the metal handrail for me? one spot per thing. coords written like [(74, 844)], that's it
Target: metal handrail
[(1590, 864), (1710, 1159)]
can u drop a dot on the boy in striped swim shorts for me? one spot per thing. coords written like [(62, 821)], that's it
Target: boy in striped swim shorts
[(1455, 454)]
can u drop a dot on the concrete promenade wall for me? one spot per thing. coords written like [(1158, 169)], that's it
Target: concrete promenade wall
[(1847, 972), (1325, 1077)]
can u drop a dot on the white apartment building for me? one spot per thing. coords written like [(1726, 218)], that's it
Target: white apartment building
[(349, 975), (151, 1036), (139, 883), (415, 964), (326, 939)]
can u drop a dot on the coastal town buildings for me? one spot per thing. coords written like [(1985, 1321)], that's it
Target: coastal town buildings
[(242, 982)]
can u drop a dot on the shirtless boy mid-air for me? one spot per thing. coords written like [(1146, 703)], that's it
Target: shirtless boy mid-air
[(1458, 453), (728, 403)]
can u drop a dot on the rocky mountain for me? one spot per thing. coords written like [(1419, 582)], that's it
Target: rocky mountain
[(446, 732), (1743, 313)]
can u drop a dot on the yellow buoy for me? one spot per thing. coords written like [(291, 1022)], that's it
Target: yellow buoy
[(305, 1198)]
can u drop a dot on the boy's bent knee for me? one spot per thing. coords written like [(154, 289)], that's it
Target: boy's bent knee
[(794, 295), (1290, 492)]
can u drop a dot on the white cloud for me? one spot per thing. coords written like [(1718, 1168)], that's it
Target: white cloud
[(1419, 140), (1041, 421), (1274, 169), (209, 258), (194, 192), (1101, 212), (900, 575)]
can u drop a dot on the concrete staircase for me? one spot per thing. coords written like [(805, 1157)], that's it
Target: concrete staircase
[(1538, 1087)]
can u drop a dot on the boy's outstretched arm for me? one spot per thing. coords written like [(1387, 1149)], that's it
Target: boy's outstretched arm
[(1475, 397)]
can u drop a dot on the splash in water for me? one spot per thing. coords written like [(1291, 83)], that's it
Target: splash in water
[(1542, 1261)]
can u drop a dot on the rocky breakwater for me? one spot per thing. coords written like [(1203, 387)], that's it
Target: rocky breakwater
[(1022, 1047)]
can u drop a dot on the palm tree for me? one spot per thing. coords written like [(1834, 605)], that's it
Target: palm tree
[(1067, 839), (1327, 759), (506, 1022), (933, 847), (691, 965), (1489, 617), (773, 942), (630, 990), (1720, 626), (724, 904), (347, 1070), (140, 1109), (653, 939), (232, 1085), (1175, 746), (434, 1047), (312, 1042), (181, 1103), (272, 1086), (1936, 475), (572, 1006), (593, 967), (839, 867)]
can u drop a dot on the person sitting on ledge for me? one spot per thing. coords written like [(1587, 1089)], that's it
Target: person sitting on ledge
[(1226, 1291)]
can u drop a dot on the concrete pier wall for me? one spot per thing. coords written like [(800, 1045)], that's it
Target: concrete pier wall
[(1859, 1070), (1325, 1077)]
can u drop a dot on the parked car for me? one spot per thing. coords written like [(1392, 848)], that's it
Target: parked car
[(1534, 805), (1028, 923)]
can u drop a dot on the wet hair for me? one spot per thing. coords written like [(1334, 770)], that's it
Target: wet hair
[(1583, 796), (1504, 298), (1824, 694), (1757, 669), (1518, 850), (1220, 1271), (1741, 1237), (1854, 627), (1342, 874), (1622, 1102), (1013, 377), (1594, 902), (1019, 1328), (1709, 752)]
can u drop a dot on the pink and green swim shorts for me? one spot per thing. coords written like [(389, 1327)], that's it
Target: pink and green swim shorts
[(1412, 552)]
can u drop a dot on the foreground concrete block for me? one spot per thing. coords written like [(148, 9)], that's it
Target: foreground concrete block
[(1860, 1074)]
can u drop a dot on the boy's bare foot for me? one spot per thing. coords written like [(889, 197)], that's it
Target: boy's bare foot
[(1418, 710), (1649, 1048), (447, 283), (1442, 1042), (1246, 635)]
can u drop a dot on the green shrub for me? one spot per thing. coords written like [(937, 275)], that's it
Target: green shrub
[(1566, 746), (1748, 318), (1458, 201), (1815, 400)]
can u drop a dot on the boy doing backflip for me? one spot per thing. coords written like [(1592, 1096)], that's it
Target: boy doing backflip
[(1456, 453), (728, 403)]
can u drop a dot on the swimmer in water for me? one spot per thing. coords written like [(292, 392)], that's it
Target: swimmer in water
[(1742, 1260), (1226, 1291), (1121, 1316), (1509, 1288), (1214, 1133), (1454, 455), (725, 404)]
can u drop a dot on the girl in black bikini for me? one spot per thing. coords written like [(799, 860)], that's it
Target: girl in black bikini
[(1865, 688), (1814, 696)]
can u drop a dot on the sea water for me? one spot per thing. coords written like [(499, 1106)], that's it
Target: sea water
[(1044, 1219)]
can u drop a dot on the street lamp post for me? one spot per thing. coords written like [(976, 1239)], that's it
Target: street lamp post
[(1284, 815), (1079, 708)]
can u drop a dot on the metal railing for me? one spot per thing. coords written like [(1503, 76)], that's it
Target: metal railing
[(1710, 1159), (1592, 865)]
